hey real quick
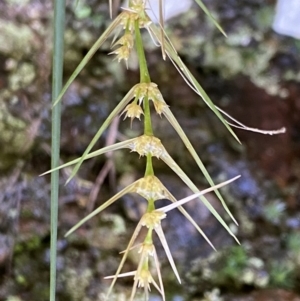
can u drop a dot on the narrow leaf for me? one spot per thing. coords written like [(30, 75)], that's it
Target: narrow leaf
[(164, 243), (157, 266), (170, 117), (96, 153), (102, 207), (89, 55), (207, 12), (192, 221), (57, 75), (197, 194), (174, 166), (132, 240), (188, 77), (106, 123)]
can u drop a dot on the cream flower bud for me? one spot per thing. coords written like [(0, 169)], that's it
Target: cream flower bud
[(122, 54), (152, 92), (145, 145), (152, 219), (157, 98), (126, 40), (133, 110), (132, 14), (151, 188)]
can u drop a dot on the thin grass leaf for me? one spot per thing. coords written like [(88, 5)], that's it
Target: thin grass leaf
[(173, 165), (89, 55), (173, 121), (192, 221), (197, 194), (122, 275), (136, 278), (106, 123), (132, 240), (242, 126), (205, 97), (58, 54), (102, 207), (207, 12), (106, 149), (164, 243), (110, 8), (162, 26), (187, 75), (156, 262), (199, 90)]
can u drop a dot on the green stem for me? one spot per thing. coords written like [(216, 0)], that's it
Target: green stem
[(145, 77), (148, 238), (151, 206), (149, 167), (147, 118), (58, 50)]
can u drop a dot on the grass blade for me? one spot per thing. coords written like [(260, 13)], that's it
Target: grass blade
[(187, 76), (170, 117), (106, 123), (174, 166), (210, 16), (58, 53), (88, 56), (102, 207), (96, 153)]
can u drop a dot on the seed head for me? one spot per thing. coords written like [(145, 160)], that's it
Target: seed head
[(147, 249), (151, 91), (145, 145), (151, 188), (122, 54), (152, 219), (133, 110), (131, 15)]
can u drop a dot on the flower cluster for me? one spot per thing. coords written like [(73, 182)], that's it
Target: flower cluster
[(123, 52), (135, 104)]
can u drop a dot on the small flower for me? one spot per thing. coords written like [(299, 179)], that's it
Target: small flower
[(126, 40), (133, 13), (140, 91), (151, 91), (133, 110), (122, 54), (157, 98), (142, 276), (151, 188), (145, 145), (152, 219)]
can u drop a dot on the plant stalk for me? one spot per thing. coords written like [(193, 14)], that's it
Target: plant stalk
[(57, 72)]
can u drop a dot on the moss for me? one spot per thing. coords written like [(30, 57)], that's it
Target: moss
[(275, 211), (77, 282), (264, 18), (282, 274), (34, 243), (15, 138), (21, 77), (15, 40)]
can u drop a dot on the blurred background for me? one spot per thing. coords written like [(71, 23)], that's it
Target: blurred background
[(253, 75)]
